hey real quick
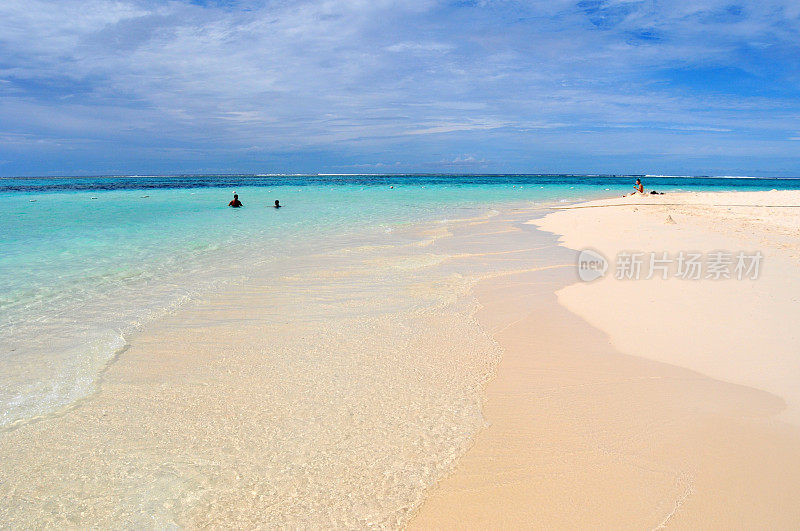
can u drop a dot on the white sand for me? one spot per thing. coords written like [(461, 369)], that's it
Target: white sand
[(583, 436), (740, 331)]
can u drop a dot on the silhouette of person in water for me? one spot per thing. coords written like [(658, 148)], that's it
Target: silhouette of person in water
[(277, 204), (235, 203)]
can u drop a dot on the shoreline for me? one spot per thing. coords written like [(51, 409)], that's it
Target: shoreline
[(269, 404), (585, 434), (567, 430)]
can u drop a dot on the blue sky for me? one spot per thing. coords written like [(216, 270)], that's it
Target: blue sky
[(590, 86)]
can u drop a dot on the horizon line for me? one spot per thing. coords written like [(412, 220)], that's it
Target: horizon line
[(402, 174)]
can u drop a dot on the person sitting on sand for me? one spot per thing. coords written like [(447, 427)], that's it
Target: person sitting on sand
[(277, 204), (638, 188), (235, 203)]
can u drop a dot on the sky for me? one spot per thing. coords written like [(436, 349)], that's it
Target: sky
[(680, 87)]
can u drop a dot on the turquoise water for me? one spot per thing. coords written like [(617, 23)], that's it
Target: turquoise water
[(88, 261)]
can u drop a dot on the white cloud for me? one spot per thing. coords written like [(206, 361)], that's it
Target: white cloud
[(334, 74), (468, 160), (420, 47), (453, 127)]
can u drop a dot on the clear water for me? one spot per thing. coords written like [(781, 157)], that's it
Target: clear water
[(87, 261)]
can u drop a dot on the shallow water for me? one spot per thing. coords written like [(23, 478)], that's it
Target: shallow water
[(318, 365), (88, 261), (327, 389)]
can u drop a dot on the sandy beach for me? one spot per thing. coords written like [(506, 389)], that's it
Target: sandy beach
[(740, 331), (641, 404), (379, 265), (455, 374)]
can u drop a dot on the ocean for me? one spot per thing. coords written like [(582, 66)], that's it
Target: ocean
[(87, 261), (358, 330)]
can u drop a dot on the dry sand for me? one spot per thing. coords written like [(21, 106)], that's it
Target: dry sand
[(676, 408), (741, 331)]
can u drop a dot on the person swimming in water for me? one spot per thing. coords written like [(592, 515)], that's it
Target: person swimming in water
[(235, 203), (277, 204)]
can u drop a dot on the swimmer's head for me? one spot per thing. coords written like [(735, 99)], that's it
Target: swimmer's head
[(277, 203), (235, 196)]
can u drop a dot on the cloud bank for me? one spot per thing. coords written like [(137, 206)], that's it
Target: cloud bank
[(99, 86)]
